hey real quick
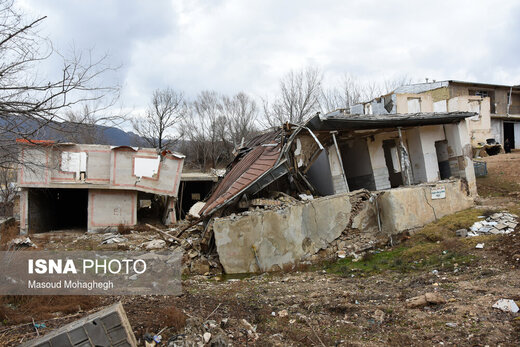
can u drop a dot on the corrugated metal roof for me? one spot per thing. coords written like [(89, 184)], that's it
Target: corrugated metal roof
[(247, 170)]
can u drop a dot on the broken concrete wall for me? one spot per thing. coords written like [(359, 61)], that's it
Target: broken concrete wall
[(268, 240), (412, 207), (107, 209), (123, 171), (460, 154), (100, 166)]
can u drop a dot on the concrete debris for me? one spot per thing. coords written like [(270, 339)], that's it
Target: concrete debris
[(497, 223), (195, 209), (283, 313), (108, 327), (20, 242), (199, 333), (113, 238), (462, 232), (506, 305), (425, 300), (265, 202), (379, 316), (154, 244), (251, 330), (306, 197)]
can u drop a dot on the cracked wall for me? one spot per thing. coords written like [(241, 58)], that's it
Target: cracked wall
[(267, 240), (413, 207)]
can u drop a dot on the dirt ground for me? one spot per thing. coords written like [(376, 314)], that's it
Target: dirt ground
[(344, 303)]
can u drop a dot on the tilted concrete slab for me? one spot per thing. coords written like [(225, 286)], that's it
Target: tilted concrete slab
[(270, 239), (108, 327)]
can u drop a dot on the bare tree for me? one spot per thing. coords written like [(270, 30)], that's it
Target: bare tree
[(162, 119), (241, 113), (205, 127), (350, 92), (30, 103), (298, 97), (8, 190)]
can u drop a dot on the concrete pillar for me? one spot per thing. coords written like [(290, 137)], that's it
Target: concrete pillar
[(460, 153), (24, 211), (336, 171), (169, 215), (406, 165), (428, 136), (377, 159)]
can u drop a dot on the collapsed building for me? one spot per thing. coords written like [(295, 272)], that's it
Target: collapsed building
[(95, 187), (340, 183)]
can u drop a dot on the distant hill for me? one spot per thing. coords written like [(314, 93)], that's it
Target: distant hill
[(67, 132)]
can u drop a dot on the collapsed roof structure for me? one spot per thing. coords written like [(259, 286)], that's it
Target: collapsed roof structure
[(340, 152)]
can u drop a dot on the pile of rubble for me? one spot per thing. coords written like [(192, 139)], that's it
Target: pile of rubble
[(200, 256), (497, 223)]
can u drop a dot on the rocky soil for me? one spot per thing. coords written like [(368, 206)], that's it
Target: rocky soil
[(433, 288)]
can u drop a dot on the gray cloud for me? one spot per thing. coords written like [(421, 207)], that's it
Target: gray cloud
[(233, 45)]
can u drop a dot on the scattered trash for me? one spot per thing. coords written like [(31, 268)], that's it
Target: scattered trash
[(435, 272), (154, 244), (506, 305), (251, 330), (451, 325), (462, 232), (497, 223), (283, 313), (21, 242), (426, 299), (40, 325), (306, 197), (206, 337), (479, 245), (341, 254), (379, 316), (113, 238), (195, 209)]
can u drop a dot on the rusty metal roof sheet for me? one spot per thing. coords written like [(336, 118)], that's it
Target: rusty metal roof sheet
[(265, 151)]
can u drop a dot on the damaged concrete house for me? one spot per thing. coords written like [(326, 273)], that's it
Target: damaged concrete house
[(95, 187), (497, 107), (339, 184)]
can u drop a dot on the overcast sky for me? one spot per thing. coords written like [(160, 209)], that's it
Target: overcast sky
[(241, 45)]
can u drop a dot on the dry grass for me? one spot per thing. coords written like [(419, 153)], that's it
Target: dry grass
[(16, 309), (9, 233)]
